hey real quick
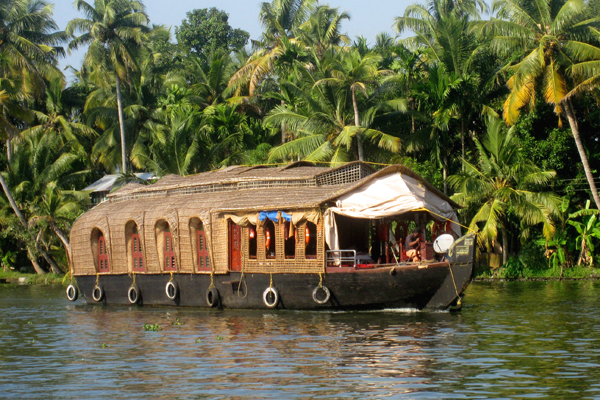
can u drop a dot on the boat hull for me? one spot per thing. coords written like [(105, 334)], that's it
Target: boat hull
[(432, 286)]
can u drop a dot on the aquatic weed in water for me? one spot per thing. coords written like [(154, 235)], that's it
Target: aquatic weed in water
[(152, 327)]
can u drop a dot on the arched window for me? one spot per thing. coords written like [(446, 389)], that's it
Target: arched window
[(100, 251), (165, 245), (269, 229), (135, 255), (289, 241), (252, 241), (310, 240), (203, 258)]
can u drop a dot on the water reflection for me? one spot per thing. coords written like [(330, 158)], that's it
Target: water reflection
[(511, 340)]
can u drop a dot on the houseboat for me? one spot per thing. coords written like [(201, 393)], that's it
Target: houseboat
[(297, 236)]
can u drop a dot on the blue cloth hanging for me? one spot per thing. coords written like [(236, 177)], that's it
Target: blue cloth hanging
[(272, 215)]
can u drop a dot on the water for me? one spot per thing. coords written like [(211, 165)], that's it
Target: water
[(511, 340)]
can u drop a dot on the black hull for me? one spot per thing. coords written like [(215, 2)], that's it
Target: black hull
[(430, 286)]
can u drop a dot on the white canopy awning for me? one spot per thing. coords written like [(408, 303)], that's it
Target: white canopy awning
[(388, 196)]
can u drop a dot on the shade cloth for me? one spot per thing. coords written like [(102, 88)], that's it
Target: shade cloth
[(273, 216), (388, 196)]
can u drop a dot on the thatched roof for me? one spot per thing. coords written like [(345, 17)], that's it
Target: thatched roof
[(296, 185)]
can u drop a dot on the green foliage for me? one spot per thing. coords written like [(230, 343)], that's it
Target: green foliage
[(306, 93), (152, 327), (501, 184), (207, 30)]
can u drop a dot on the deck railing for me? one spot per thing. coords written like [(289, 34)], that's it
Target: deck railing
[(341, 258)]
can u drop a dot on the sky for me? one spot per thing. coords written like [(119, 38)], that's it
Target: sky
[(368, 18)]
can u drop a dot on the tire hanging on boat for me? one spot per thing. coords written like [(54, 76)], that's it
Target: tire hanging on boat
[(212, 297), (72, 292), (133, 294), (325, 290), (97, 293), (274, 294), (172, 290)]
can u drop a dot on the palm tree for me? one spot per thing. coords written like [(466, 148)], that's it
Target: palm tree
[(28, 48), (56, 210), (280, 18), (211, 78), (322, 30), (445, 36), (112, 29), (322, 122), (557, 37), (503, 183), (355, 72), (173, 147), (438, 110)]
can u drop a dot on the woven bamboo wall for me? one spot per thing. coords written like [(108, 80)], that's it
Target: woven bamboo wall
[(280, 264), (81, 243), (118, 250), (187, 238), (219, 245), (177, 212)]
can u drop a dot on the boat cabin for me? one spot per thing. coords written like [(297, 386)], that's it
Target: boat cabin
[(297, 218)]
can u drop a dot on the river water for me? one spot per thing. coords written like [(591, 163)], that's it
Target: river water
[(511, 340)]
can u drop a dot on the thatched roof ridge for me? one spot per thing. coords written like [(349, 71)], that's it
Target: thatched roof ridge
[(293, 172), (318, 189)]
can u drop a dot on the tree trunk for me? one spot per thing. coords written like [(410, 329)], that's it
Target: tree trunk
[(462, 140), (283, 128), (361, 155), (44, 253), (9, 150), (65, 241), (121, 127), (504, 245), (38, 268), (12, 202), (581, 150), (445, 172), (581, 253)]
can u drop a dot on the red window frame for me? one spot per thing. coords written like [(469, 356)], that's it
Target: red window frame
[(136, 252), (170, 262), (203, 258), (103, 265)]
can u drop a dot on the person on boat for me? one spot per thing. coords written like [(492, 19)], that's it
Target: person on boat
[(412, 245)]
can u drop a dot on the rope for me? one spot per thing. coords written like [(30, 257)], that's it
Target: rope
[(170, 280), (271, 281), (212, 282), (320, 280), (97, 279), (447, 219), (133, 283), (459, 302)]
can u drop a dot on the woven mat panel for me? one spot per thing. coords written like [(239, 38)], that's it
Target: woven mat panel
[(83, 260), (279, 242), (301, 244), (81, 245), (285, 267), (186, 263), (153, 265), (188, 246), (321, 243), (118, 246), (220, 248)]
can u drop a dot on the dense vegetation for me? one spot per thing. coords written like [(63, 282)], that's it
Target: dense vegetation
[(497, 107)]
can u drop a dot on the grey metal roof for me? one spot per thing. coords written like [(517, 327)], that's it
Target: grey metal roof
[(107, 182)]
